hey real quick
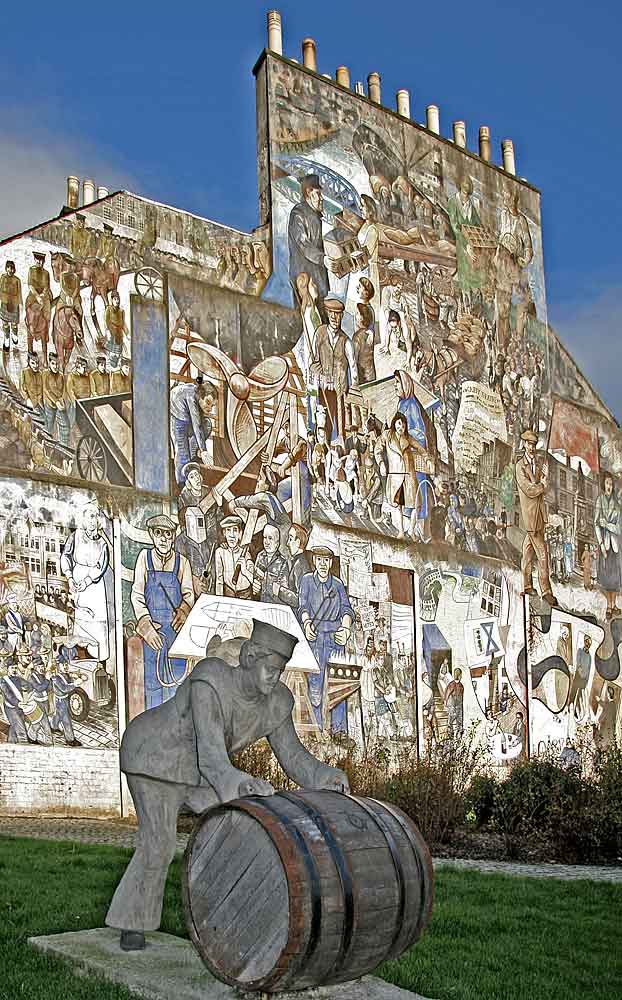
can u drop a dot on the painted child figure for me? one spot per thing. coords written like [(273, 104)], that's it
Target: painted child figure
[(179, 754)]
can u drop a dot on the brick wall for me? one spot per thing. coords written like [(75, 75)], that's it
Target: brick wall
[(55, 781)]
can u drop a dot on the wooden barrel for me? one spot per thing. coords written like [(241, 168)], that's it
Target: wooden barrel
[(299, 889)]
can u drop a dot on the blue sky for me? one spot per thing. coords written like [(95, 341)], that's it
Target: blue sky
[(160, 98)]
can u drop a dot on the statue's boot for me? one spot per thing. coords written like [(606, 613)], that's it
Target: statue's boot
[(132, 940)]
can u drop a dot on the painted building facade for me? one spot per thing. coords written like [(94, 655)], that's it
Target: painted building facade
[(353, 422)]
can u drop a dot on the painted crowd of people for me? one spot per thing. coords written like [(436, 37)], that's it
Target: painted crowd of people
[(55, 355), (44, 649)]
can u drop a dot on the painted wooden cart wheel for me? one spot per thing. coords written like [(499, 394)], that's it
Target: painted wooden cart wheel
[(91, 459), (149, 284), (79, 705)]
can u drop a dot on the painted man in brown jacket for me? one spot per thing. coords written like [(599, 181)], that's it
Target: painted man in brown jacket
[(38, 305), (532, 482), (31, 385), (100, 378), (55, 401)]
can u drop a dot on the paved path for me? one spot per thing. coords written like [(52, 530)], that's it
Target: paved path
[(592, 873), (115, 833), (120, 833)]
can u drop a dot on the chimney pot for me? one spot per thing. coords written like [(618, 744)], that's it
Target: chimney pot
[(433, 119), (73, 192), (88, 191), (403, 103), (460, 134), (309, 54), (373, 87), (102, 192), (359, 89), (275, 32), (509, 163), (484, 143), (343, 76)]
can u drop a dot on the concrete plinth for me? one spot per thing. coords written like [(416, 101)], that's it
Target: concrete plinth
[(170, 967)]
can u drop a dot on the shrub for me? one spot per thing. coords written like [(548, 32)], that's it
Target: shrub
[(573, 817), (607, 775), (480, 798), (431, 790), (540, 807)]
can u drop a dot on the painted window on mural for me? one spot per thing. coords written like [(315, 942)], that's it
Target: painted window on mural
[(58, 681)]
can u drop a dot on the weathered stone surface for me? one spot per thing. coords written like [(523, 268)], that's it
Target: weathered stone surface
[(170, 967)]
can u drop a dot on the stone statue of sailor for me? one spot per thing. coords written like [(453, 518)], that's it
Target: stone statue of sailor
[(178, 754)]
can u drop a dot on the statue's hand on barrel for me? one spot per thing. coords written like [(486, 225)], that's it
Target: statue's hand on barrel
[(331, 778), (254, 786), (235, 784)]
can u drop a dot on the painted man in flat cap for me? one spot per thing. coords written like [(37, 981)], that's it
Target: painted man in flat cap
[(532, 482), (179, 754), (334, 358), (162, 596), (304, 234), (326, 616), (81, 239)]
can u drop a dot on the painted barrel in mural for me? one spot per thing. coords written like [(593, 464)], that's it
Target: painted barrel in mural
[(300, 889)]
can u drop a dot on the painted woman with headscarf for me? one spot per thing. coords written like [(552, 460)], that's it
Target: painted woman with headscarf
[(462, 210), (420, 427), (401, 491), (608, 531)]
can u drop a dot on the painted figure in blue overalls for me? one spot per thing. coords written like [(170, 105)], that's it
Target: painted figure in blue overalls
[(326, 616), (162, 596)]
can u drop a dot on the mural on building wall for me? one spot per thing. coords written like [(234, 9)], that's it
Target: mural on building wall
[(265, 457), (66, 376), (58, 682), (470, 629), (576, 682), (66, 295), (369, 446), (418, 276)]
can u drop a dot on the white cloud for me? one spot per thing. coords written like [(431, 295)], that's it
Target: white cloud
[(592, 332), (34, 167)]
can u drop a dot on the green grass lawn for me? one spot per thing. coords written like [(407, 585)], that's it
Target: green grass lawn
[(492, 937)]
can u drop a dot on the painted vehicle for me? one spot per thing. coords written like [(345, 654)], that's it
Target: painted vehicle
[(98, 690)]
